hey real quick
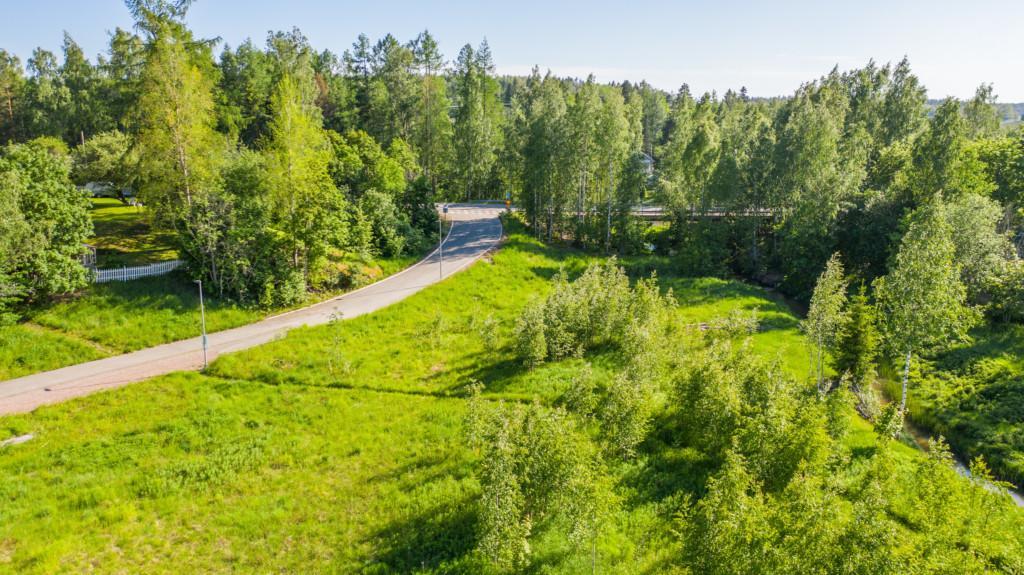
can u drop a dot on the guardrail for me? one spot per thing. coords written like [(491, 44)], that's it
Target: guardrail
[(127, 273)]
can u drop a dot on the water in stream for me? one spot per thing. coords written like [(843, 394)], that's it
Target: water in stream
[(921, 440)]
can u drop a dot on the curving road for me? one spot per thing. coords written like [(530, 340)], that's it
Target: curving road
[(475, 230)]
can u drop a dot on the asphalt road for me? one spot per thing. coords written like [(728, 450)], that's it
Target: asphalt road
[(475, 230)]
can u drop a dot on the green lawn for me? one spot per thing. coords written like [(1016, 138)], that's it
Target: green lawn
[(124, 236)]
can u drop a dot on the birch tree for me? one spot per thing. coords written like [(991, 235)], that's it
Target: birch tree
[(826, 316), (477, 129), (180, 152), (307, 205), (923, 301)]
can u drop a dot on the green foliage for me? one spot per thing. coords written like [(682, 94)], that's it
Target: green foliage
[(981, 115), (1007, 292), (729, 399), (180, 153), (889, 421), (627, 411), (596, 309), (46, 224), (386, 224), (826, 316), (703, 249), (858, 344), (936, 152), (534, 466), (982, 251), (477, 125), (306, 207), (767, 477), (531, 344), (922, 300), (361, 165), (374, 452), (972, 395), (105, 157)]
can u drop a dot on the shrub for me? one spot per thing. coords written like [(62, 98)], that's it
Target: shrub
[(535, 465), (858, 342), (597, 309), (1007, 293), (581, 397), (531, 343), (729, 399), (626, 414), (46, 221)]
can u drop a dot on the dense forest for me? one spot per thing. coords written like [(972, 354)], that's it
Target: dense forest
[(897, 221)]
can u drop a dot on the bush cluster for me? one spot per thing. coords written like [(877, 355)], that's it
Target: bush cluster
[(599, 308)]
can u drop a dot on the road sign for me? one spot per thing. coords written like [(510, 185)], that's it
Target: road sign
[(445, 209)]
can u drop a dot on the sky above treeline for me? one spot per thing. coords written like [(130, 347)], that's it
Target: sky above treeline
[(769, 47)]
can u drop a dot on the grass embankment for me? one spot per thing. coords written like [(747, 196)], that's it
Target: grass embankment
[(118, 317), (124, 236), (336, 449), (973, 395)]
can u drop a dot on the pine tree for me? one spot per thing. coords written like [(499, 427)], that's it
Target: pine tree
[(858, 343)]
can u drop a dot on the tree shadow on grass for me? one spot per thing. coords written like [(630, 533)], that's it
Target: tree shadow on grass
[(1005, 341), (424, 470), (863, 452), (439, 539), (774, 321), (667, 469), (482, 367)]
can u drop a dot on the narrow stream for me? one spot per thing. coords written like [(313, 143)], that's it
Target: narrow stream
[(920, 437), (921, 440)]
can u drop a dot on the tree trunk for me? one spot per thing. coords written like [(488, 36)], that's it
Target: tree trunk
[(821, 369), (906, 377), (608, 215)]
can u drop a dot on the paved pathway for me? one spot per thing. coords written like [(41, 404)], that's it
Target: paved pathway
[(475, 230)]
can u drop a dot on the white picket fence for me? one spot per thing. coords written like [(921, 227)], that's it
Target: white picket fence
[(135, 272)]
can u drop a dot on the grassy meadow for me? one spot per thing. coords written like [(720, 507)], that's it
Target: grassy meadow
[(340, 448)]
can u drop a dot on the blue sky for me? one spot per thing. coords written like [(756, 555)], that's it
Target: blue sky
[(769, 47)]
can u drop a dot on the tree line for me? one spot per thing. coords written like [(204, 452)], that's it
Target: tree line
[(269, 164), (267, 161)]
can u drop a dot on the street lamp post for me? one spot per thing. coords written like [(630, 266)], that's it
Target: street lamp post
[(202, 315), (440, 242)]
